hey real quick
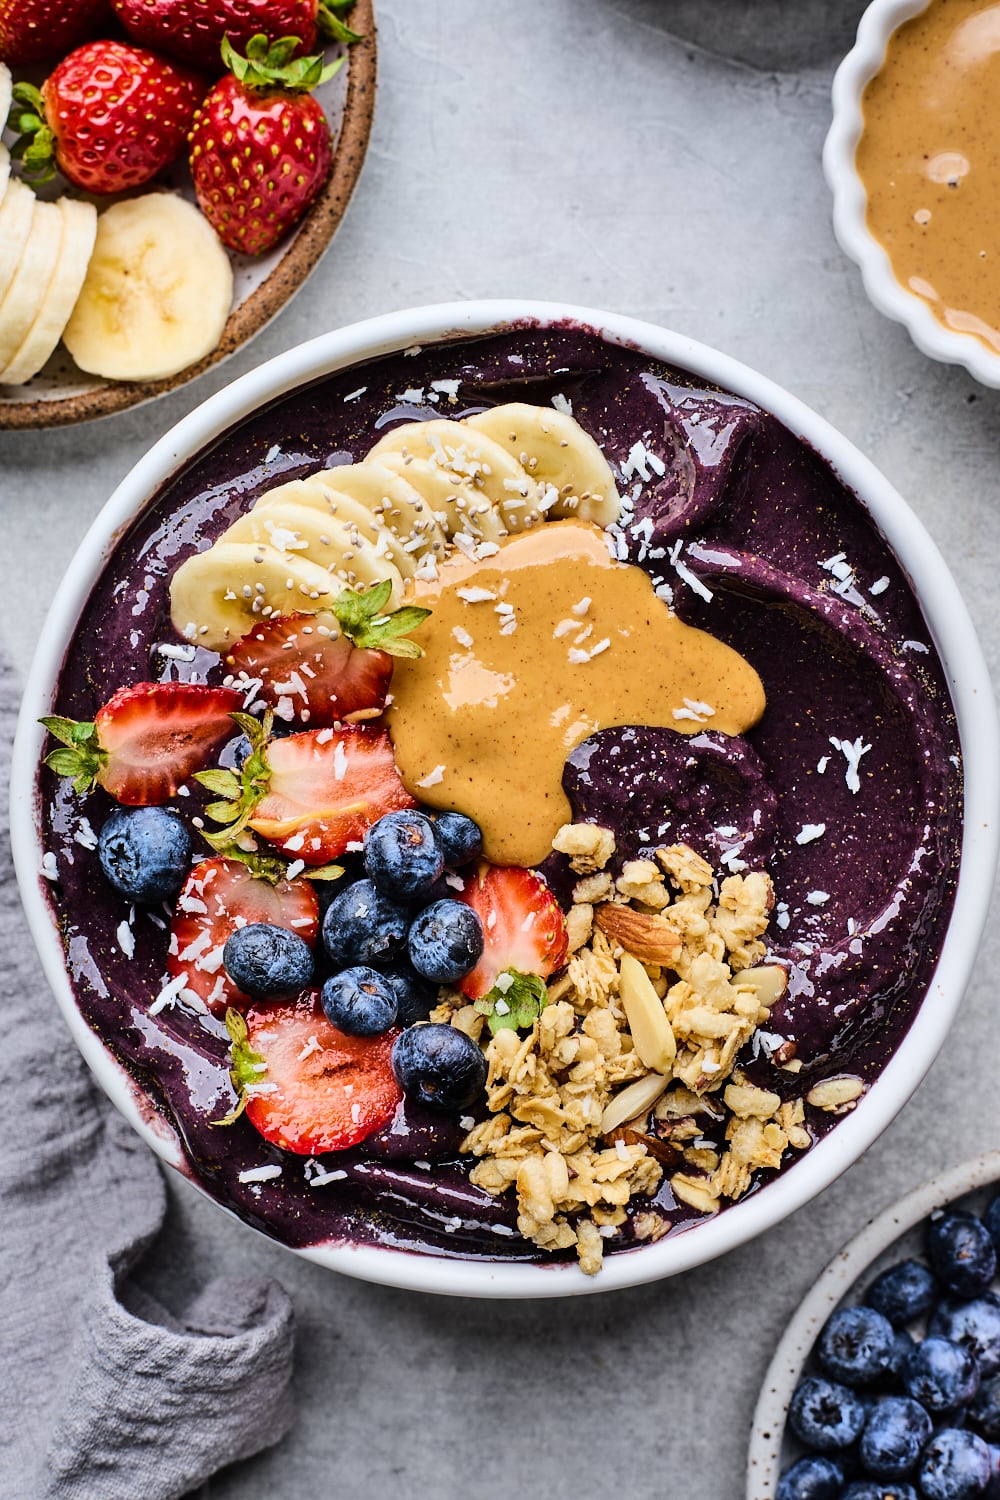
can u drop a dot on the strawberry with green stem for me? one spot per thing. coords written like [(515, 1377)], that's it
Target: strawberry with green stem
[(193, 30), (330, 670), (260, 144)]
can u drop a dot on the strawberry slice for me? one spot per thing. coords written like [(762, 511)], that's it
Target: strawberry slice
[(218, 896), (523, 925), (323, 675), (145, 741), (319, 1090)]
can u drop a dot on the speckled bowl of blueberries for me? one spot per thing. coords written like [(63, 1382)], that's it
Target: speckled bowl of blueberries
[(886, 1384)]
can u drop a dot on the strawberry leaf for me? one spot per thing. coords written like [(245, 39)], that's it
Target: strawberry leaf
[(36, 147), (271, 65), (247, 1065), (240, 791), (83, 758), (270, 867), (514, 1003), (362, 620), (331, 23)]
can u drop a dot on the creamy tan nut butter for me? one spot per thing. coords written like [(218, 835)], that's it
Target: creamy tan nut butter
[(526, 655), (929, 158)]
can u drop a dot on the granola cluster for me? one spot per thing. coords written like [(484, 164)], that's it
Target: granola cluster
[(628, 1072)]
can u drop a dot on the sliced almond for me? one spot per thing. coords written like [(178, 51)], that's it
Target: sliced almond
[(640, 1095), (650, 938), (647, 1020), (768, 982)]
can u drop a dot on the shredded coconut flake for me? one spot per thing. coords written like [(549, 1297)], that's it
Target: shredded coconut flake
[(260, 1174), (433, 777), (809, 832)]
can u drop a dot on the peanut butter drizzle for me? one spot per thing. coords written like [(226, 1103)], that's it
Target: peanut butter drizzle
[(929, 157), (483, 722)]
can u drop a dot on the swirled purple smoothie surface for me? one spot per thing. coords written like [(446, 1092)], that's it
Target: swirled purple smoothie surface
[(848, 791)]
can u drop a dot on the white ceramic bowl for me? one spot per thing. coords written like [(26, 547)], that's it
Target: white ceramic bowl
[(896, 1234), (950, 628), (888, 294)]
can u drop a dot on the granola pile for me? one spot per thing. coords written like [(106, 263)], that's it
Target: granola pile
[(627, 1074)]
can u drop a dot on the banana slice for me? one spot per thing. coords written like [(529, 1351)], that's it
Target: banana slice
[(27, 292), (334, 545), (157, 294), (312, 494), (391, 500), (16, 214), (78, 231), (213, 594), (464, 453), (4, 169), (6, 93), (560, 454), (461, 505)]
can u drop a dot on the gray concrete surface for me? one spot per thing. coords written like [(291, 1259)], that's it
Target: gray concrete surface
[(662, 159)]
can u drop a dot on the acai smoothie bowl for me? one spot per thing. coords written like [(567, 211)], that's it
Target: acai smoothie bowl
[(515, 809)]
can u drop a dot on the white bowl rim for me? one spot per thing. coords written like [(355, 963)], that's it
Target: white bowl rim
[(947, 620), (850, 225), (835, 1282)]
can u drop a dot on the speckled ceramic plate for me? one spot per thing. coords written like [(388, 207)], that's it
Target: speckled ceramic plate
[(896, 1234), (61, 394)]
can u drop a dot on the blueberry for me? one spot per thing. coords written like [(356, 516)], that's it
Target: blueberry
[(415, 995), (440, 1066), (812, 1478), (402, 855), (145, 853), (826, 1416), (961, 1253), (446, 941), (992, 1490), (265, 961), (362, 926), (359, 1001), (896, 1430), (941, 1375), (459, 838), (975, 1325), (872, 1489), (955, 1466), (856, 1345), (991, 1219), (902, 1347), (985, 1409), (903, 1292)]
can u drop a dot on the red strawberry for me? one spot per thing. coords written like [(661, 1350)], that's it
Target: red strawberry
[(260, 145), (146, 741), (218, 896), (310, 794), (109, 117), (33, 30), (330, 670), (193, 29), (523, 925), (319, 1089)]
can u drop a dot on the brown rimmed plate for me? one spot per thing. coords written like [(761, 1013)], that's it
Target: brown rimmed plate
[(61, 394)]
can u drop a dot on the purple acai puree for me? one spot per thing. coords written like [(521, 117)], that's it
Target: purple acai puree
[(848, 791)]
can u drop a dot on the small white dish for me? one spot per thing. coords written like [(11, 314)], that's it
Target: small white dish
[(884, 290), (896, 1234), (950, 627)]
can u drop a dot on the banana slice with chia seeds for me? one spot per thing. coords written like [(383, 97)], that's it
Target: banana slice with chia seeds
[(313, 493), (17, 212), (458, 502), (335, 545), (559, 455), (78, 232), (216, 595), (30, 285), (392, 501), (462, 451)]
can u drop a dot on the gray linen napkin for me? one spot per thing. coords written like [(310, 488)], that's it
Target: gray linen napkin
[(105, 1395)]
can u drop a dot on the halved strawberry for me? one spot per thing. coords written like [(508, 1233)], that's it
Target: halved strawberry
[(318, 1090), (145, 741), (323, 676), (523, 925), (218, 896), (309, 794)]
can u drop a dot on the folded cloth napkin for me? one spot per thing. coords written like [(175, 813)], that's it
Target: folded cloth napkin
[(106, 1396)]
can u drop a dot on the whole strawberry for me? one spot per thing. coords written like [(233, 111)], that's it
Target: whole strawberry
[(109, 117), (33, 30), (260, 145), (193, 30)]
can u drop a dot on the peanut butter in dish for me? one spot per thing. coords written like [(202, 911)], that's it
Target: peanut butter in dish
[(528, 653), (929, 158)]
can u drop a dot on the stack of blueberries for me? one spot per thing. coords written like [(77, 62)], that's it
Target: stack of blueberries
[(903, 1402)]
